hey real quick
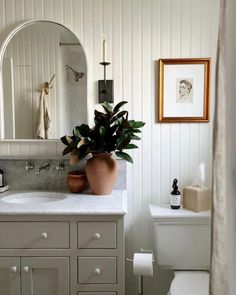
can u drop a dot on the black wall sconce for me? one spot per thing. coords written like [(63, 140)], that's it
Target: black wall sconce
[(105, 87)]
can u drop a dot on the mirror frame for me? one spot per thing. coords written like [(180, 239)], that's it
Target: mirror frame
[(4, 41)]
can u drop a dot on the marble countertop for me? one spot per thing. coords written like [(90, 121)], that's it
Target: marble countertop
[(73, 204), (164, 211)]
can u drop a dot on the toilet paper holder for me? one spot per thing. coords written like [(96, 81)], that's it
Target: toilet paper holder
[(142, 251), (141, 277)]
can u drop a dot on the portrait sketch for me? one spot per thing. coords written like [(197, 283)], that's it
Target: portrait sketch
[(184, 90), (184, 85)]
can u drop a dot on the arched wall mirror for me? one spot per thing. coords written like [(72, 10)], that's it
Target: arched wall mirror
[(34, 54)]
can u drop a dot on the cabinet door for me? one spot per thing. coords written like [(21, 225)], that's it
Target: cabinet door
[(9, 276), (45, 275)]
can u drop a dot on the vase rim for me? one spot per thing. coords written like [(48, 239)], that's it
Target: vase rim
[(102, 154)]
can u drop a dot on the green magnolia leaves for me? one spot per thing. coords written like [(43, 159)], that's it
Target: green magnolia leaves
[(124, 156), (112, 132)]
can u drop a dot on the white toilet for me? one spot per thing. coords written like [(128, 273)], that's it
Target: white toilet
[(182, 243)]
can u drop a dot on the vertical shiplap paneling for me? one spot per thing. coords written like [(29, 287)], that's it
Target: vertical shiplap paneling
[(107, 29), (88, 48), (136, 111), (138, 33), (117, 49), (9, 13), (195, 52), (48, 10), (58, 10), (175, 159), (67, 13), (2, 15), (185, 51), (98, 30), (19, 8), (146, 109), (38, 9), (127, 94), (165, 144), (156, 134), (205, 138), (28, 9)]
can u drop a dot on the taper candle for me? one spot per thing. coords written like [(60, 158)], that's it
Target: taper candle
[(104, 48)]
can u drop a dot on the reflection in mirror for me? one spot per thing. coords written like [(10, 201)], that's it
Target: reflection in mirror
[(35, 107)]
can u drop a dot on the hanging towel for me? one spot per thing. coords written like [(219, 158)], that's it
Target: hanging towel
[(43, 125)]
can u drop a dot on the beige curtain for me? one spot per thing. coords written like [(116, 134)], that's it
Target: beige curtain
[(223, 275)]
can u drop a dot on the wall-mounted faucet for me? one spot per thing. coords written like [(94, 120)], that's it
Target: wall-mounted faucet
[(29, 166), (44, 166)]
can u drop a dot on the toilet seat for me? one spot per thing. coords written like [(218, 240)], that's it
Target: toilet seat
[(190, 282)]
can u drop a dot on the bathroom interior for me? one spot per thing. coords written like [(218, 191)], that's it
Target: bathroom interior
[(164, 224)]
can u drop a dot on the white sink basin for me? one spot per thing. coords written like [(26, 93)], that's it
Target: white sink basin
[(34, 197)]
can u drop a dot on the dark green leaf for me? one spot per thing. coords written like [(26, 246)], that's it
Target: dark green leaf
[(122, 139), (131, 146), (67, 150), (102, 131), (135, 137), (82, 130), (138, 124), (113, 129), (124, 156), (64, 140), (100, 118), (117, 116), (135, 131), (107, 107), (119, 105), (131, 123)]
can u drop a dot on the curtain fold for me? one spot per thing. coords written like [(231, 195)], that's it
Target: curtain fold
[(223, 257)]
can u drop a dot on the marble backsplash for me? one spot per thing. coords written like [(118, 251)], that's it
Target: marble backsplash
[(19, 179)]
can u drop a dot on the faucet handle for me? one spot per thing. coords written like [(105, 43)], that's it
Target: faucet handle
[(29, 166), (60, 166)]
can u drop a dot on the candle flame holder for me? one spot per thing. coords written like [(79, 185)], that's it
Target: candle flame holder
[(105, 87)]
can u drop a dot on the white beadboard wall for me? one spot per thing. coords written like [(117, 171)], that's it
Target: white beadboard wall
[(139, 32)]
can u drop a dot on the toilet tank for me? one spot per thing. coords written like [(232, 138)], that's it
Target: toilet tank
[(181, 238)]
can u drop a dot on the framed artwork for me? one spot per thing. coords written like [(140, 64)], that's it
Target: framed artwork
[(184, 86)]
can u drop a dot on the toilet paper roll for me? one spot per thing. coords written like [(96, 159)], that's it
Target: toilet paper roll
[(142, 264)]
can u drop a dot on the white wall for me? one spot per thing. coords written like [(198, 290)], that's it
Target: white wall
[(139, 33)]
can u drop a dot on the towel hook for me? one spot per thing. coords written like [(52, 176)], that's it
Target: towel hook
[(47, 85)]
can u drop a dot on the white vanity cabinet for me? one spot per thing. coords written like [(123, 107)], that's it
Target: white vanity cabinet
[(70, 247), (62, 255), (10, 276), (34, 275)]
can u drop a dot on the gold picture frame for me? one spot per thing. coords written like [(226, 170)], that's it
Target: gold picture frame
[(184, 90)]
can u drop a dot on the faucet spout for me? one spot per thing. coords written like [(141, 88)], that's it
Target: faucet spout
[(44, 166)]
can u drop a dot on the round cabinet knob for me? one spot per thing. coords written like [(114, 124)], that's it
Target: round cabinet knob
[(97, 236), (13, 269), (44, 235), (97, 271), (26, 269)]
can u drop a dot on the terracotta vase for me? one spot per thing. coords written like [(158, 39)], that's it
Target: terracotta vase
[(101, 171), (76, 181)]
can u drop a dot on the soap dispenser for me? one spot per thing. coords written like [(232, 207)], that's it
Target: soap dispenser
[(175, 196), (1, 178)]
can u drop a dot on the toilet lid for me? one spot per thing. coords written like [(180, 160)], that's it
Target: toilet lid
[(190, 282)]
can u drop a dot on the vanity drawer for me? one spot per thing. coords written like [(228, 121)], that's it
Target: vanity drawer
[(96, 235), (97, 293), (39, 235), (97, 270)]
